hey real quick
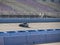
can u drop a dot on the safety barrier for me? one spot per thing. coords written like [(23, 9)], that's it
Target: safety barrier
[(29, 37), (28, 20)]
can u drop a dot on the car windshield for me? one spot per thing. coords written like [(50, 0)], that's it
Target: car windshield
[(30, 8)]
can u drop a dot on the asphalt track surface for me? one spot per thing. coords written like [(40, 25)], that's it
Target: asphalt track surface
[(36, 26)]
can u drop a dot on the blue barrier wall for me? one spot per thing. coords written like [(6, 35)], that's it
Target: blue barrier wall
[(2, 38), (30, 37), (13, 38), (28, 20)]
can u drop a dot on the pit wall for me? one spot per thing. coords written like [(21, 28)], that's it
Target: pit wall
[(28, 20)]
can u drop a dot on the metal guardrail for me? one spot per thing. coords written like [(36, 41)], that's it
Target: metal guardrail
[(28, 16), (24, 15)]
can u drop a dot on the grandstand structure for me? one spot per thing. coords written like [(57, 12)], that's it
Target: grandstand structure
[(30, 17), (18, 7)]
